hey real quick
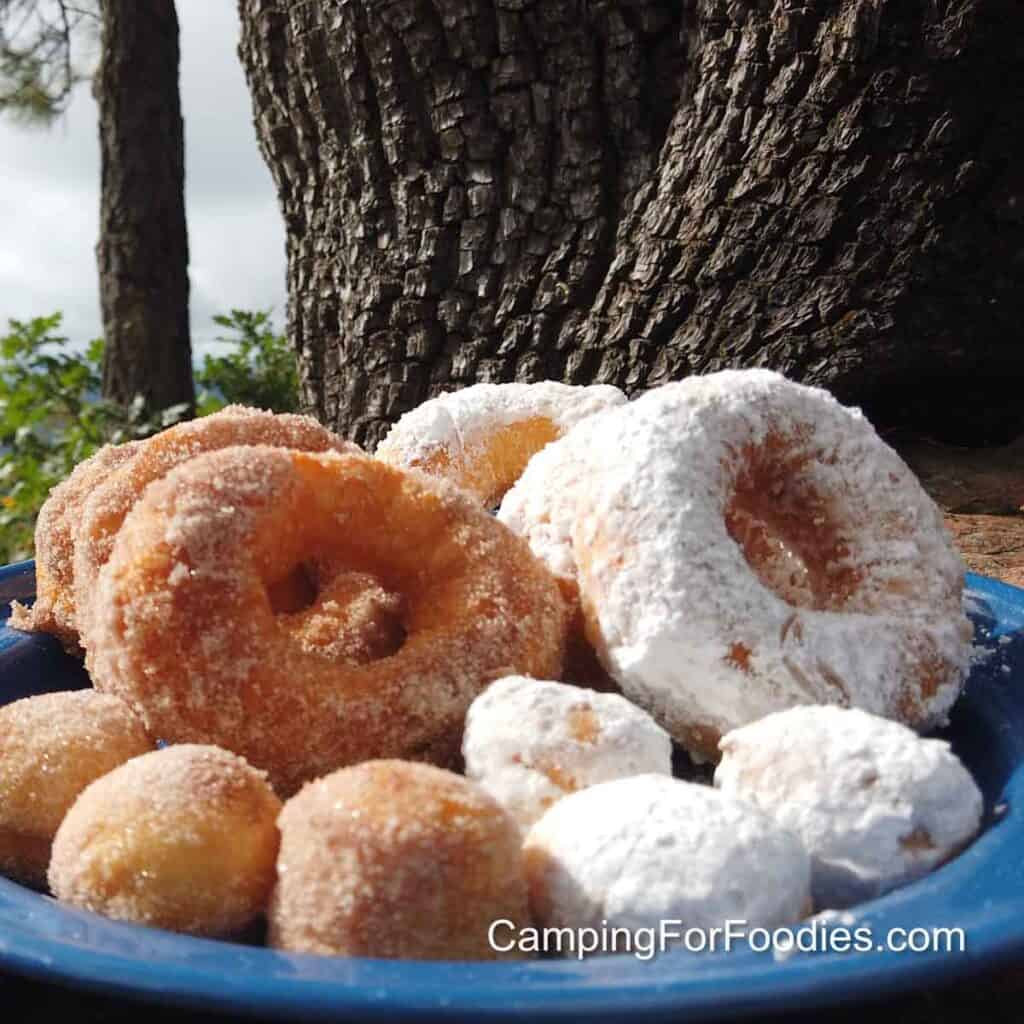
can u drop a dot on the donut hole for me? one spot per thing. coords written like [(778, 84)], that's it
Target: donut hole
[(787, 529), (295, 591), (343, 615)]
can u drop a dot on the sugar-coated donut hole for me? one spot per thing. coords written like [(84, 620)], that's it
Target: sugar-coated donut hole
[(788, 530)]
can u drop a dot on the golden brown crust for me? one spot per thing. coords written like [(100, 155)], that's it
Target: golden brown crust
[(394, 859), (187, 633), (183, 838), (56, 525), (51, 747)]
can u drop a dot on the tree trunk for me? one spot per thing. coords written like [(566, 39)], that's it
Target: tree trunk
[(631, 191), (143, 248)]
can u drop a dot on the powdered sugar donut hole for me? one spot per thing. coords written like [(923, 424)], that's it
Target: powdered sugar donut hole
[(875, 805), (530, 742), (638, 851)]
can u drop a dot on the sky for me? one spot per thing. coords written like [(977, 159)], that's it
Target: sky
[(49, 197)]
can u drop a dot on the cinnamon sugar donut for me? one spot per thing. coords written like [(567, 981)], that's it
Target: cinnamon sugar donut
[(749, 544), (201, 626), (482, 437), (56, 525), (110, 501), (397, 860)]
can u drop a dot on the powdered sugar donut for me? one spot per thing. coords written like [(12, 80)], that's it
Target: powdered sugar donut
[(749, 544), (482, 437), (541, 508), (638, 851), (875, 805), (529, 742)]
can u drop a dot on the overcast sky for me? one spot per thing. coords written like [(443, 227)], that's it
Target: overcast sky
[(49, 196)]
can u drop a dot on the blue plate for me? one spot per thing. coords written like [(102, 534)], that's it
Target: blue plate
[(981, 892)]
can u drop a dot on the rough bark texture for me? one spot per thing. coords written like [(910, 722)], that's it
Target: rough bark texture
[(634, 190), (143, 249)]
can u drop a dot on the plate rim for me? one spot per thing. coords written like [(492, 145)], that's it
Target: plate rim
[(231, 978)]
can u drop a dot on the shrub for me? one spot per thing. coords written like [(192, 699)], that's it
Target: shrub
[(52, 416), (260, 371)]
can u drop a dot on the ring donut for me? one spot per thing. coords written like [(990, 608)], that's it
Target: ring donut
[(54, 607), (189, 632), (482, 437), (110, 502), (744, 544)]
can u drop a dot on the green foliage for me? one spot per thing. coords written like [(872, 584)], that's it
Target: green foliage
[(52, 416), (259, 372), (37, 73)]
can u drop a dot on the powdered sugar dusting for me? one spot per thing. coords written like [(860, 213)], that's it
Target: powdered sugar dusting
[(695, 634), (875, 805), (639, 851), (529, 742), (451, 435)]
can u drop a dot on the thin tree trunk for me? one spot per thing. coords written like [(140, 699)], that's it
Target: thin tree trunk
[(143, 248), (634, 190)]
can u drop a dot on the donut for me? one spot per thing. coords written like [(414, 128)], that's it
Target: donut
[(51, 747), (482, 437), (188, 632), (875, 805), (746, 544), (182, 838), (56, 525), (540, 507), (529, 742), (109, 503), (395, 860), (636, 852)]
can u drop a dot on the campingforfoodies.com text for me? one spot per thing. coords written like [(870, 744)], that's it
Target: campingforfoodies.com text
[(645, 943)]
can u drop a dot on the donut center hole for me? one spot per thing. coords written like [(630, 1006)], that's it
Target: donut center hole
[(341, 615), (295, 591), (788, 536)]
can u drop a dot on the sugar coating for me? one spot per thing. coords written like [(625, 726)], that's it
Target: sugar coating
[(709, 618), (875, 805), (638, 851), (56, 528), (103, 514), (398, 860), (183, 838), (51, 747), (482, 436), (530, 742), (187, 633), (541, 506)]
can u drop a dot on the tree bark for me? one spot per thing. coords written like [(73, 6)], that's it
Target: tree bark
[(630, 191), (142, 253)]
